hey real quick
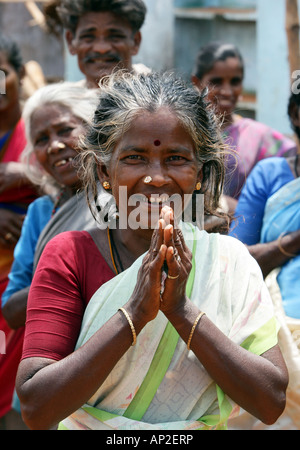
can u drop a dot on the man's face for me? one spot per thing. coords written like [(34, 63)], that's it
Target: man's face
[(103, 42)]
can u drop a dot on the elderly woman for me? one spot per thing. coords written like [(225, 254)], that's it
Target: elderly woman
[(141, 354), (55, 118)]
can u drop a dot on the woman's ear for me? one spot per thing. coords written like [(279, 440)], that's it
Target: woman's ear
[(200, 175), (102, 173)]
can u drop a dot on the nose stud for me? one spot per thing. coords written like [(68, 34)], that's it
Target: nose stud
[(147, 180), (60, 145)]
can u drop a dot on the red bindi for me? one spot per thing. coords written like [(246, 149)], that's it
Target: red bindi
[(157, 142)]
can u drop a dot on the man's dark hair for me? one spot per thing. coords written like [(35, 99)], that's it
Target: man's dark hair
[(211, 53), (70, 11)]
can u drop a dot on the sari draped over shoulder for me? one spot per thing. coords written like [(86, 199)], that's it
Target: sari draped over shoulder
[(158, 384), (282, 215)]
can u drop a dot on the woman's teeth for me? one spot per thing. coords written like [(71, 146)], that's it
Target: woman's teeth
[(62, 162), (155, 200)]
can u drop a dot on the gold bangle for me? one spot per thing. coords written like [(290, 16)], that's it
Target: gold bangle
[(130, 324), (284, 252), (193, 329)]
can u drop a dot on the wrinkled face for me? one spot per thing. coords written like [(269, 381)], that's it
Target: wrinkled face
[(155, 160), (54, 133), (224, 81), (103, 42), (12, 84)]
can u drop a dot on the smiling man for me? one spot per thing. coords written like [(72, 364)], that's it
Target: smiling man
[(104, 34)]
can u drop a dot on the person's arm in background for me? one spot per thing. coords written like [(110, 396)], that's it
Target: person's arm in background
[(14, 299), (265, 179)]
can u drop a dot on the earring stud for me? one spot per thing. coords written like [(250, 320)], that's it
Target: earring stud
[(106, 185), (198, 186), (147, 180)]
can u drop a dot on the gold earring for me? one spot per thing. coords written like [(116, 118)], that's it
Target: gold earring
[(106, 185), (198, 186)]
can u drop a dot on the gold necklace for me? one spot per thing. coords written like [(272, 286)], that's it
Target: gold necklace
[(111, 252)]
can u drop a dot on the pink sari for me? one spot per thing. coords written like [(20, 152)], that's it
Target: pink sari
[(251, 141)]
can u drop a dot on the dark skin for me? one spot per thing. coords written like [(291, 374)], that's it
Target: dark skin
[(102, 43), (269, 255), (257, 383)]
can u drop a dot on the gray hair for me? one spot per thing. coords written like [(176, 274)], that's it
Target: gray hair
[(123, 96), (80, 101)]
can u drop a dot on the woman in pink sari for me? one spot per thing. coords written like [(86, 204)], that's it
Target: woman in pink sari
[(16, 193), (220, 68)]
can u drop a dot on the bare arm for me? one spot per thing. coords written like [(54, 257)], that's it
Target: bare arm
[(51, 390), (269, 256), (256, 383)]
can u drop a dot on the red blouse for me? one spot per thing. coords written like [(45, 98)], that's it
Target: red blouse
[(69, 272)]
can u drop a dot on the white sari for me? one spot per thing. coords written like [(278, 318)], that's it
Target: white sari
[(158, 384)]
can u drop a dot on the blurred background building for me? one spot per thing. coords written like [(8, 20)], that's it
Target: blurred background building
[(172, 34)]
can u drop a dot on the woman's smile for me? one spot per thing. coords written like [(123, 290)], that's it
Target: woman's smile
[(171, 166)]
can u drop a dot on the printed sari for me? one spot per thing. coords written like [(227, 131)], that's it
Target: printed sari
[(158, 384)]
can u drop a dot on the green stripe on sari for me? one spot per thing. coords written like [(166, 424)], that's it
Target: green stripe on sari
[(263, 339)]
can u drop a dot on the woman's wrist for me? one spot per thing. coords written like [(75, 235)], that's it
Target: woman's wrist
[(138, 317), (183, 312), (289, 243)]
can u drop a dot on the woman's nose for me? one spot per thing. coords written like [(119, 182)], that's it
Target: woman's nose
[(226, 89), (55, 146), (158, 175)]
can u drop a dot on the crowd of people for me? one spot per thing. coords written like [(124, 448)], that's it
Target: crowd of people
[(149, 241)]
